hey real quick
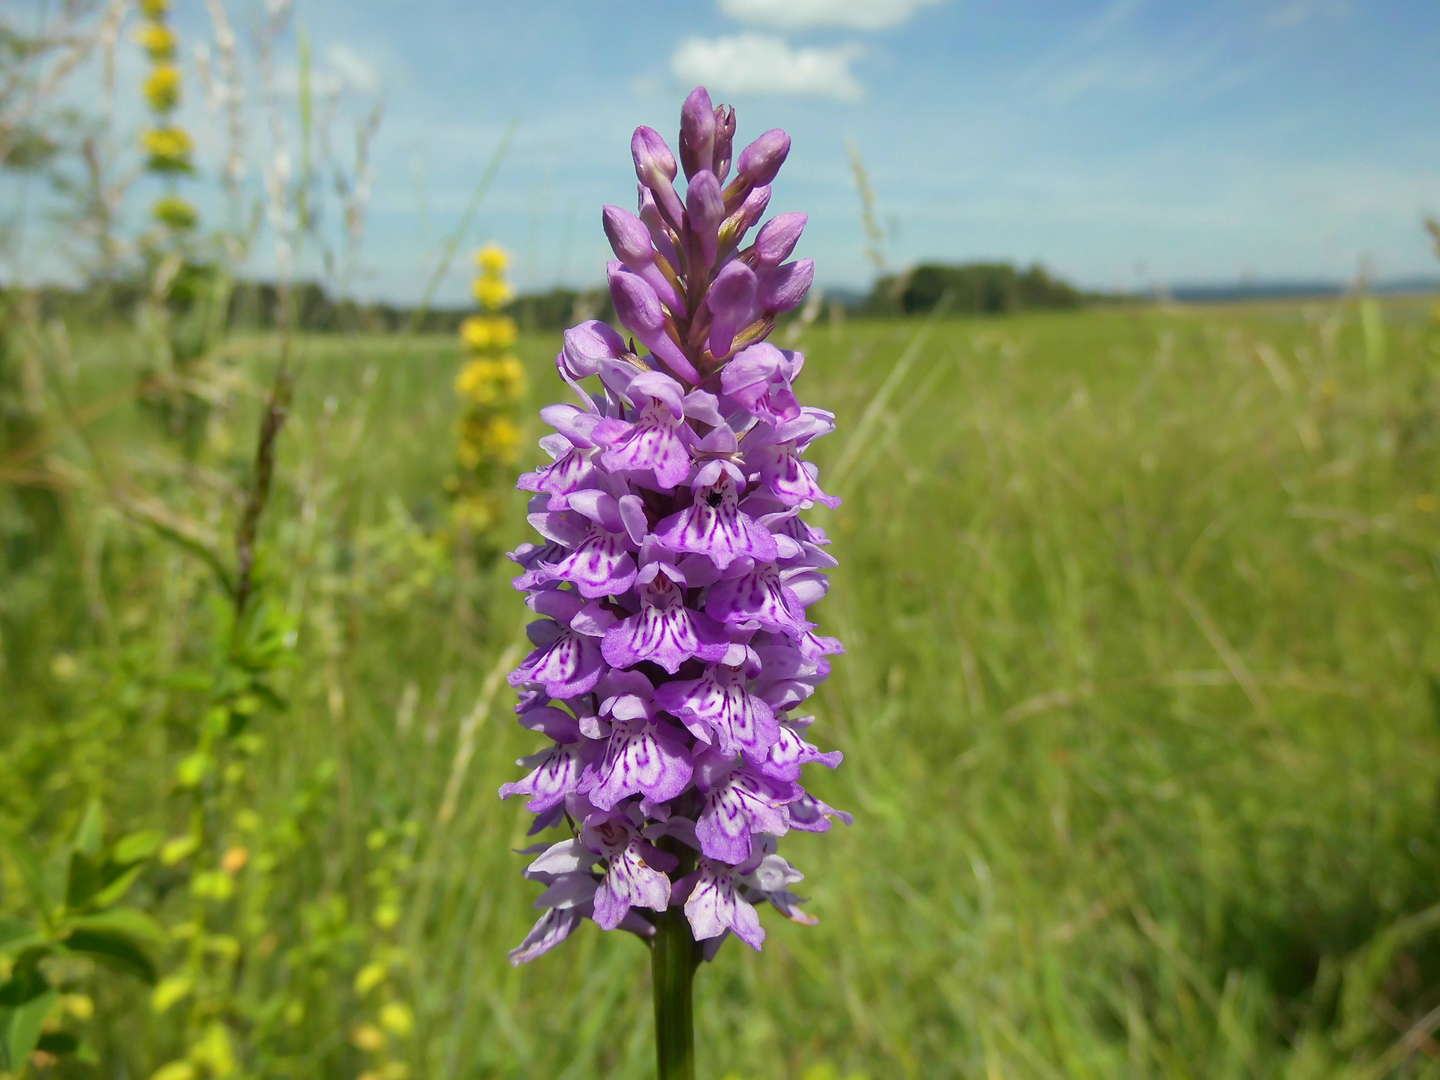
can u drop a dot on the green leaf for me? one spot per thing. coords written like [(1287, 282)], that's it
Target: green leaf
[(123, 937), (58, 1043), (82, 880), (131, 922), (179, 849), (136, 846), (91, 830), (14, 934), (117, 886), (25, 984), (20, 1029), (40, 880)]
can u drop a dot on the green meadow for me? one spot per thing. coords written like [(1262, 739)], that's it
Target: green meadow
[(1140, 711)]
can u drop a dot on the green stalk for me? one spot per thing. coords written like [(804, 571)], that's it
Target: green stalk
[(674, 955)]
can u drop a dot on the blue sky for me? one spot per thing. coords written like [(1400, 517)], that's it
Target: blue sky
[(1122, 142)]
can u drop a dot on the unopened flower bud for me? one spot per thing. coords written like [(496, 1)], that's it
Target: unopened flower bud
[(706, 207), (586, 345), (638, 307), (785, 286), (628, 237), (697, 132), (745, 216), (777, 239), (761, 160), (724, 140), (655, 168), (732, 304)]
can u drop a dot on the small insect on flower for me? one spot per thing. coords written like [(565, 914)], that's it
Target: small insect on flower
[(673, 578)]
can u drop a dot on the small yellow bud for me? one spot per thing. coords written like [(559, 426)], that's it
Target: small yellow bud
[(369, 1038), (80, 1006), (168, 991), (369, 977), (386, 916), (492, 259), (493, 293), (178, 849), (175, 212), (214, 1050), (396, 1018), (234, 860), (488, 332), (168, 149), (157, 40), (162, 88)]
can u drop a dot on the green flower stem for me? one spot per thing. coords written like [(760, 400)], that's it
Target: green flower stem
[(674, 956)]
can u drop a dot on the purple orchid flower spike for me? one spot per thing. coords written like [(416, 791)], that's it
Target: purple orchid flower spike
[(675, 576)]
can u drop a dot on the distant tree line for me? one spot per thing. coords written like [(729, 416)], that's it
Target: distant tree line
[(256, 305), (984, 288), (967, 288)]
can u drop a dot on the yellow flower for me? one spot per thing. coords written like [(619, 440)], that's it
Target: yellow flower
[(370, 976), (153, 9), (493, 292), (502, 439), (474, 381), (162, 88), (476, 513), (493, 259), (490, 382), (509, 377), (174, 211), (168, 148), (369, 1038), (488, 332), (157, 40), (397, 1019)]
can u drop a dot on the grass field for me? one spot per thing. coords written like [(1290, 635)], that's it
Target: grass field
[(1138, 710)]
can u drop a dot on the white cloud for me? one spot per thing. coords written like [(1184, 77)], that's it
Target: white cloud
[(763, 64), (354, 70), (1299, 12), (338, 69), (807, 14)]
